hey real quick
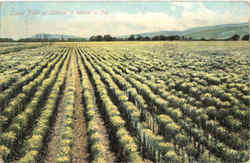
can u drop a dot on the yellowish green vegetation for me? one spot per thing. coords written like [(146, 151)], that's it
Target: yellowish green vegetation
[(141, 101)]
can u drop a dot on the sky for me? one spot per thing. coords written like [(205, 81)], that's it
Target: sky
[(24, 19)]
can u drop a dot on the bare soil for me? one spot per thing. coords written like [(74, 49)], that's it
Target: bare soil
[(80, 152)]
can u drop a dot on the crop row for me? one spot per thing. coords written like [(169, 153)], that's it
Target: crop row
[(15, 88), (65, 142), (18, 103), (152, 143), (7, 82), (35, 143), (141, 86), (17, 130), (126, 143), (98, 145)]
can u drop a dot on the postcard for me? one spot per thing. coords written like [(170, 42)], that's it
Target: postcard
[(124, 81)]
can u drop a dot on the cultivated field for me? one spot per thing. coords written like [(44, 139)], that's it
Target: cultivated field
[(125, 102)]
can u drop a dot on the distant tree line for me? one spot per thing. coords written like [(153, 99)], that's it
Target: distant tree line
[(246, 37), (162, 38), (130, 38), (134, 38), (6, 40)]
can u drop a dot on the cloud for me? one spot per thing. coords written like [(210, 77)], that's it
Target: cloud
[(200, 15), (181, 5), (121, 23), (125, 23)]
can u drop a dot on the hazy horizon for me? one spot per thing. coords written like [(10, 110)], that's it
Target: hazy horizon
[(83, 19)]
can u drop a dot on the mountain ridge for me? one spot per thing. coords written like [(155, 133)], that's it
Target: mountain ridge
[(208, 32)]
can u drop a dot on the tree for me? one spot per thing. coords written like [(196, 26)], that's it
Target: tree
[(107, 38), (96, 38), (99, 38), (6, 40), (172, 38), (131, 38), (156, 38), (92, 38), (162, 37), (139, 38), (234, 37), (246, 37), (146, 38)]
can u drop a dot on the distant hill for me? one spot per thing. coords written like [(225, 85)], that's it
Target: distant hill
[(166, 33), (218, 32), (55, 36), (208, 32)]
